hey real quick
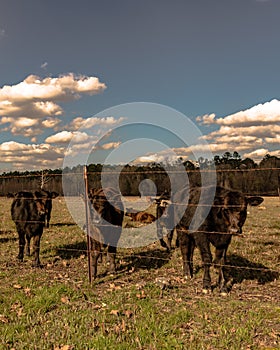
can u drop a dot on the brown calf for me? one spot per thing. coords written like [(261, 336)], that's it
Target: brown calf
[(106, 219)]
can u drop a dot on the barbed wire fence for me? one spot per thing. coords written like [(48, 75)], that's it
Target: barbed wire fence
[(21, 185)]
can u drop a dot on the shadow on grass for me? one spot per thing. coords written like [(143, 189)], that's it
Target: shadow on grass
[(59, 224), (69, 251), (5, 232), (241, 269), (151, 259), (7, 239)]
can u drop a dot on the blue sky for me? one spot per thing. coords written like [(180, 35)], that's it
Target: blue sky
[(216, 61)]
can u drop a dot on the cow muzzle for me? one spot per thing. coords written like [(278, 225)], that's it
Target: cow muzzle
[(235, 230)]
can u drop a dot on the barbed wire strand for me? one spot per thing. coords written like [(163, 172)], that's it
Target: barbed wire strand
[(120, 256)]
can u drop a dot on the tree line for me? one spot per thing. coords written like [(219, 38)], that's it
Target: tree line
[(231, 171)]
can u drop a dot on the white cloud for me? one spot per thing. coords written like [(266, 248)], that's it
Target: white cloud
[(51, 122), (62, 88), (109, 145), (36, 98), (32, 156), (266, 113), (254, 131), (87, 123), (260, 131), (67, 136), (275, 139), (257, 154)]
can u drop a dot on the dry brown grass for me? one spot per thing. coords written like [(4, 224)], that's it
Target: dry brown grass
[(55, 306)]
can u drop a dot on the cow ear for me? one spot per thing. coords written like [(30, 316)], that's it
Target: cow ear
[(254, 201), (11, 195), (54, 195)]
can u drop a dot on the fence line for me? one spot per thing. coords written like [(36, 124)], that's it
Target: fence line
[(104, 225), (114, 172), (141, 257)]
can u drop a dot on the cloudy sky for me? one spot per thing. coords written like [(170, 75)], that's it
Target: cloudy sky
[(64, 62)]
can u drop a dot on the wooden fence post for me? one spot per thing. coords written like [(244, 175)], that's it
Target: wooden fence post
[(89, 248)]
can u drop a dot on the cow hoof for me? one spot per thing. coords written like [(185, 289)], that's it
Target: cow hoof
[(223, 291), (206, 291), (37, 266)]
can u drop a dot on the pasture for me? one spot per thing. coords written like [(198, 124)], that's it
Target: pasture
[(147, 305)]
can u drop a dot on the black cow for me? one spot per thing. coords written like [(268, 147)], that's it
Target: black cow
[(28, 212), (207, 220), (107, 214), (48, 206)]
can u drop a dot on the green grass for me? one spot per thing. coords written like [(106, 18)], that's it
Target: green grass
[(56, 308)]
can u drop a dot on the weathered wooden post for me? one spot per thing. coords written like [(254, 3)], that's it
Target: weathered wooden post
[(89, 250), (279, 185)]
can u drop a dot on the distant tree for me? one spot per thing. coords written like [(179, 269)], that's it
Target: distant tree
[(248, 163)]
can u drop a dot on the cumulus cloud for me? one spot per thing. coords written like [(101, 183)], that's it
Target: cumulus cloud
[(109, 145), (31, 156), (37, 99), (253, 132), (157, 158), (64, 87), (67, 136), (266, 113), (260, 131), (87, 123)]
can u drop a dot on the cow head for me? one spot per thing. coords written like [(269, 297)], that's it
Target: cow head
[(41, 202), (232, 210), (106, 204)]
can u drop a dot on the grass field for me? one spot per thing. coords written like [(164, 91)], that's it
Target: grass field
[(56, 308)]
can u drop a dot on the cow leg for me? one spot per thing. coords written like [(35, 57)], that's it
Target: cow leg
[(206, 256), (47, 220), (95, 254), (27, 250), (36, 250), (21, 237), (112, 259), (160, 237), (187, 246), (169, 239), (219, 263)]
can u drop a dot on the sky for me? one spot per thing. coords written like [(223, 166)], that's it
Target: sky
[(66, 66)]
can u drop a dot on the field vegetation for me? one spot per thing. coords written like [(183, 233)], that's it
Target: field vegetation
[(147, 304)]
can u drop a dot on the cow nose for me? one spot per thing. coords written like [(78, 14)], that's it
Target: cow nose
[(96, 219), (235, 230)]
